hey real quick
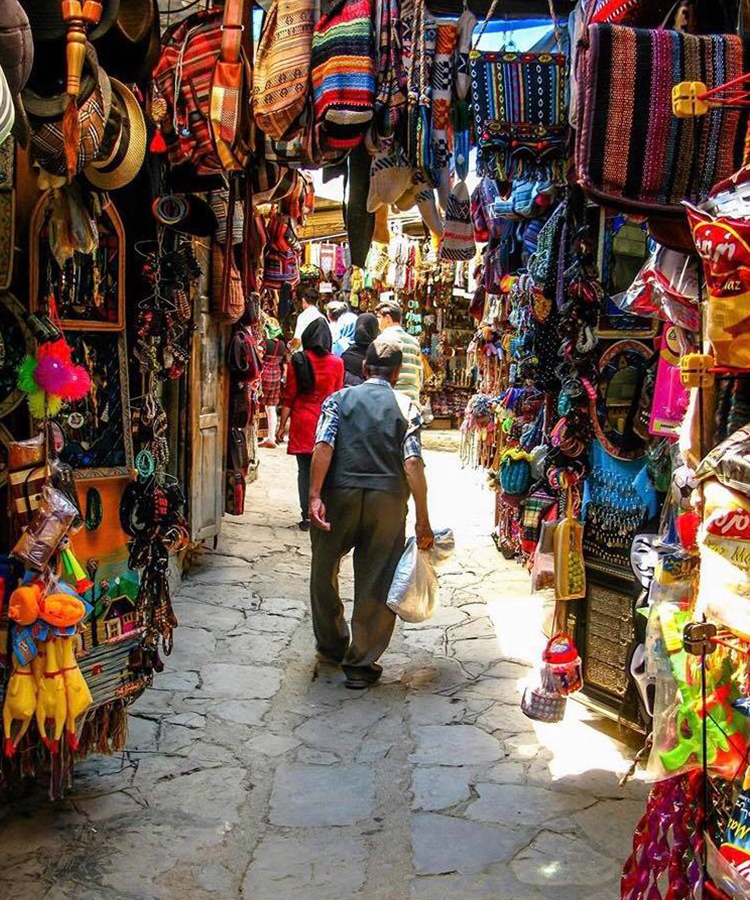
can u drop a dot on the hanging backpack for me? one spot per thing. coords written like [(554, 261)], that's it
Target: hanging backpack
[(343, 72), (203, 79), (282, 66)]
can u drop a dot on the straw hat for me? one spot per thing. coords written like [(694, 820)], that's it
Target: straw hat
[(47, 23), (123, 147)]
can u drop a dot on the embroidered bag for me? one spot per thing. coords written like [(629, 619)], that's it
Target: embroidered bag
[(282, 65), (519, 109), (631, 152), (343, 72), (184, 81)]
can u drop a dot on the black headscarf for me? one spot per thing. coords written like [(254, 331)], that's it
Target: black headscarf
[(317, 339), (365, 332), (366, 329)]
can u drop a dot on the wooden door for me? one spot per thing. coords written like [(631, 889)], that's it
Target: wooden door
[(207, 414)]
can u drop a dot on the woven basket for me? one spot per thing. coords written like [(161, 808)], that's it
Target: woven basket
[(543, 706)]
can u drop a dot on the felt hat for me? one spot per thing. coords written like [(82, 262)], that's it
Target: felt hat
[(131, 46), (123, 147), (47, 23), (458, 238), (7, 112), (16, 45), (45, 112), (16, 59)]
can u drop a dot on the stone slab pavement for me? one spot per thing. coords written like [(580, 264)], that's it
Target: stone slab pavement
[(251, 772)]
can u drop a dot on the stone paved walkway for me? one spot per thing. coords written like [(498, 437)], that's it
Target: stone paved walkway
[(252, 773)]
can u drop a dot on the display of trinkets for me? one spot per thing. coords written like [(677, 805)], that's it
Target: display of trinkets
[(165, 315)]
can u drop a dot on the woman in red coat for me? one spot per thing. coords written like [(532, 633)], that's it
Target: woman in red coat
[(314, 374)]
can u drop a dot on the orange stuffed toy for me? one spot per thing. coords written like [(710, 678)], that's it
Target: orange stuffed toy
[(23, 606)]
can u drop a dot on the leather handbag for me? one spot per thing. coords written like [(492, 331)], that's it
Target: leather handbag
[(282, 66), (631, 151)]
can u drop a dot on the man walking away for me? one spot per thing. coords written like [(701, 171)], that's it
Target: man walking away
[(367, 459), (411, 377)]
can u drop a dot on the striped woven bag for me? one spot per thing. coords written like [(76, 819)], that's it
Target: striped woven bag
[(282, 65), (631, 152), (343, 72)]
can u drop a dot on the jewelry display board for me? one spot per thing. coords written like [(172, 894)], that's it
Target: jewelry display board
[(96, 435), (88, 289)]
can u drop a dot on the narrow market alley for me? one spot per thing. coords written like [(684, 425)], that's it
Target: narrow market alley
[(252, 773)]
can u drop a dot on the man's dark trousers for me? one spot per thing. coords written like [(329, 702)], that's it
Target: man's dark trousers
[(373, 524)]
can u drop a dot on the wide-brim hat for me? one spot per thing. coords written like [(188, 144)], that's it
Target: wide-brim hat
[(123, 146), (131, 46), (47, 23), (46, 113)]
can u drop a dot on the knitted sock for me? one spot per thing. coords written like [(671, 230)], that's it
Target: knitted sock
[(390, 176), (458, 240), (425, 199)]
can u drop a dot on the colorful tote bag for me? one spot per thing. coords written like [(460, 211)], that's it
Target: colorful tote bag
[(632, 152), (282, 66), (343, 72), (519, 108)]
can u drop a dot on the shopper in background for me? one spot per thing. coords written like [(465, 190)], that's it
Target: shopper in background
[(334, 311), (274, 360), (346, 322), (314, 374), (367, 460), (310, 313), (365, 332), (411, 376)]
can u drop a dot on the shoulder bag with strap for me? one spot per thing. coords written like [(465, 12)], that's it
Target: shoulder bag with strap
[(343, 72), (519, 108), (230, 91), (631, 151), (202, 75), (281, 75)]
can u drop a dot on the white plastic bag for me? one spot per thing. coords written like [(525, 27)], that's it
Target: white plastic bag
[(414, 592)]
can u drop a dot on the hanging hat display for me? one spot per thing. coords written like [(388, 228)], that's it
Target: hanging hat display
[(123, 146), (131, 46), (16, 59), (46, 112), (458, 240), (7, 112), (48, 24)]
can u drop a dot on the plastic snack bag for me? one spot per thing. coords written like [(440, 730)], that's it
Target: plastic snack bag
[(723, 244), (724, 544), (414, 592)]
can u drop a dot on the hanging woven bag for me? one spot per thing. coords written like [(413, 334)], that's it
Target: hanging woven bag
[(343, 72), (282, 66)]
